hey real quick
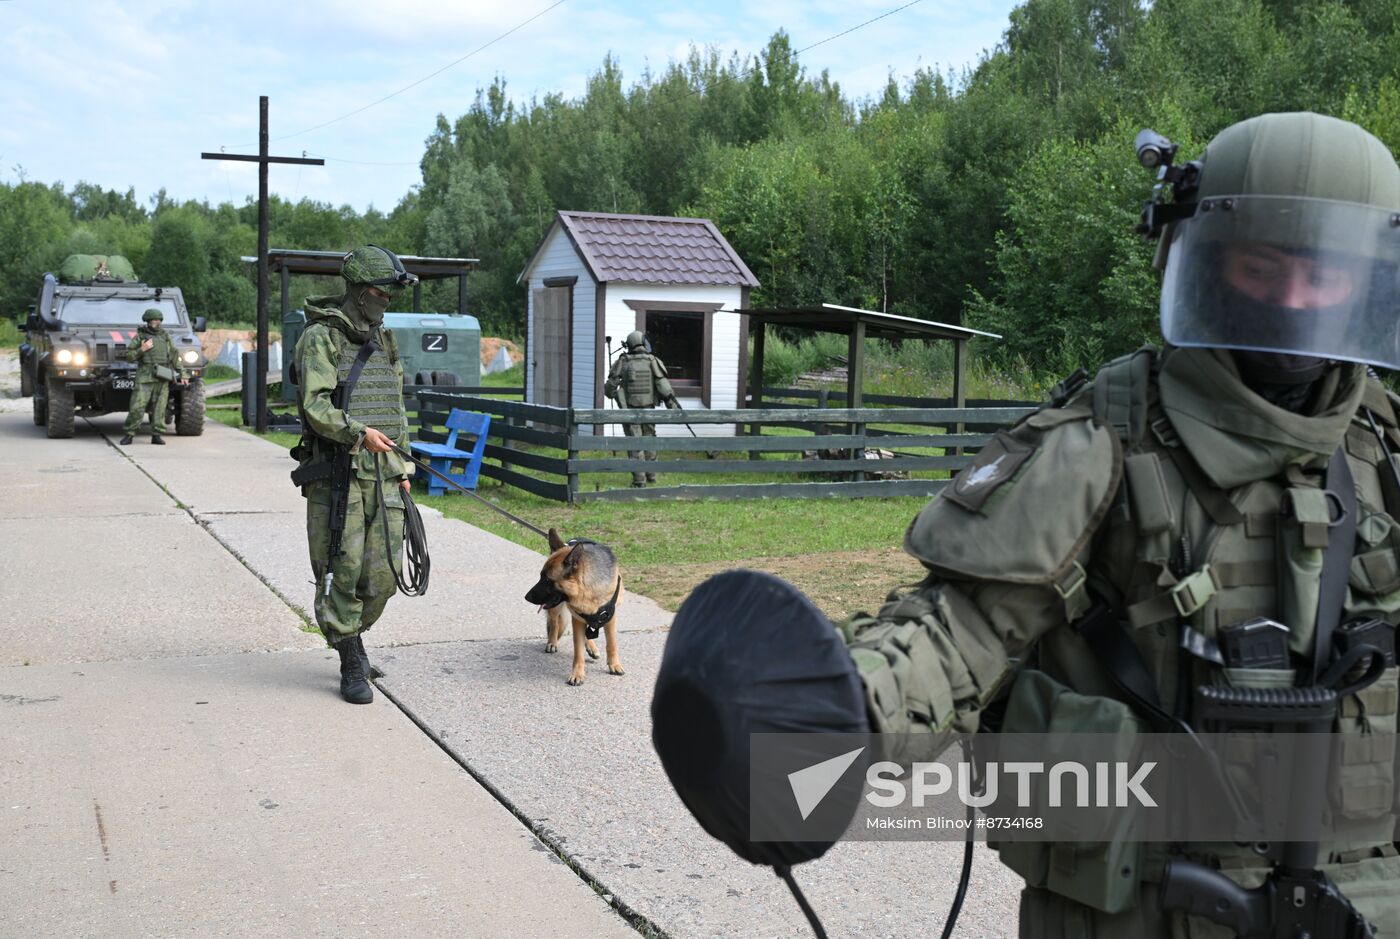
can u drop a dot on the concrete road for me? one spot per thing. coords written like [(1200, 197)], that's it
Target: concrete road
[(175, 758), (571, 770)]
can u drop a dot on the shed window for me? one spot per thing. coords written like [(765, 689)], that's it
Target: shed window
[(679, 340)]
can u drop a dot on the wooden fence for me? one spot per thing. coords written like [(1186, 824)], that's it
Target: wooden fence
[(564, 450)]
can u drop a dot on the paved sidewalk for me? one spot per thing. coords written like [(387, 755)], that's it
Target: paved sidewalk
[(574, 765), (155, 782)]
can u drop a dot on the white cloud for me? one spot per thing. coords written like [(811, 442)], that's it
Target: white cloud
[(172, 78)]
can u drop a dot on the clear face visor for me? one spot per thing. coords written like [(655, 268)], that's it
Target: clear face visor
[(1293, 276)]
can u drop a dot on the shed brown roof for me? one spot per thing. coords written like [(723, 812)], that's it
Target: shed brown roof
[(653, 249)]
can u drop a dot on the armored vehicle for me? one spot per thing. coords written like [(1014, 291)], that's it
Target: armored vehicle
[(73, 359)]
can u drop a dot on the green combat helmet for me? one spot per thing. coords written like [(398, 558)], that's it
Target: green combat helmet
[(1284, 241), (636, 342), (377, 267), (152, 314)]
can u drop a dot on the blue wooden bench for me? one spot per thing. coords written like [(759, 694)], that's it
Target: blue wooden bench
[(442, 456)]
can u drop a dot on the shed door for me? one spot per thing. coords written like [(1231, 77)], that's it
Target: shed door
[(550, 359)]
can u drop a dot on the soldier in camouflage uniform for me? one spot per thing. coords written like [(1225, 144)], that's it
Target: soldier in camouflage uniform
[(638, 380), (353, 588), (157, 365)]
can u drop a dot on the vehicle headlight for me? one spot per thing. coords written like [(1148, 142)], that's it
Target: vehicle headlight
[(190, 356), (64, 356), (79, 357)]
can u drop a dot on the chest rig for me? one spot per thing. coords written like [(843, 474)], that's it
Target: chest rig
[(374, 396)]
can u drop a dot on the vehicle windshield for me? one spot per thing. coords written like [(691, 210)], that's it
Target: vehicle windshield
[(106, 310)]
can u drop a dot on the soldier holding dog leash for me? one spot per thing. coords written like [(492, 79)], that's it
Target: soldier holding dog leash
[(350, 381)]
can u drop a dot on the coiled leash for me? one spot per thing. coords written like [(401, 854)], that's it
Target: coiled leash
[(413, 580)]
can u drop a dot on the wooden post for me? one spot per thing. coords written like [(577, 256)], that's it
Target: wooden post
[(263, 160), (855, 382), (570, 428), (959, 391), (756, 396)]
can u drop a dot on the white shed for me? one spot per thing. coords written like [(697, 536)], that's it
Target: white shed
[(597, 275)]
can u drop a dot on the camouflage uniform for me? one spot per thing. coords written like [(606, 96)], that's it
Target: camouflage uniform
[(353, 597), (150, 393), (1180, 489), (638, 380)]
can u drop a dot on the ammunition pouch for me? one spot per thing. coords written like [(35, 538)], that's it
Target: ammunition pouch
[(164, 373), (1102, 873)]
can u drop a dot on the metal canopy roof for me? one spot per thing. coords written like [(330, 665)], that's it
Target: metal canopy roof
[(298, 261), (830, 318)]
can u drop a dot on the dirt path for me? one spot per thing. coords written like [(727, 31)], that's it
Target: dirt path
[(839, 584)]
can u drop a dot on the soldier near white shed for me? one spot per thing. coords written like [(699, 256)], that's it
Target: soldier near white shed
[(638, 380)]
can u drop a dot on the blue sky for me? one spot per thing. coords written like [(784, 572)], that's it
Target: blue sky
[(129, 93)]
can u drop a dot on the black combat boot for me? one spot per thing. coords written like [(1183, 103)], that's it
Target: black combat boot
[(158, 440), (354, 671), (124, 441)]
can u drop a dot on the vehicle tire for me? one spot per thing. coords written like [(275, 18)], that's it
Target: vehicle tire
[(445, 378), (41, 408), (26, 379), (189, 417), (423, 378), (59, 407)]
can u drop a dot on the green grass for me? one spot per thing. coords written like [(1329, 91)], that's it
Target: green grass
[(513, 377), (215, 372), (10, 334), (233, 417)]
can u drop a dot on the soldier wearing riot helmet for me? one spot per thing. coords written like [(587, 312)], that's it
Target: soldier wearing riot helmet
[(350, 382), (157, 365), (638, 380), (1096, 565)]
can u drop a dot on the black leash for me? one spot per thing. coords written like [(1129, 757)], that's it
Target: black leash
[(785, 873), (460, 488), (413, 580)]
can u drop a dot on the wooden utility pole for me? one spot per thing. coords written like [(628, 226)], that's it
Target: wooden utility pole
[(262, 159)]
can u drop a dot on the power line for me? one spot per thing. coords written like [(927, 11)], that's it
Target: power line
[(420, 81), (854, 28), (747, 72)]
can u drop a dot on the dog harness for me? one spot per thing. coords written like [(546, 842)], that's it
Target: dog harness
[(595, 621)]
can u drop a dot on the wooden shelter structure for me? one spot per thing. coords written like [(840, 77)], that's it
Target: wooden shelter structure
[(288, 261), (857, 325)]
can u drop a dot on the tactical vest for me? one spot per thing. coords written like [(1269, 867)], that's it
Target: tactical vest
[(376, 399), (637, 383), (162, 352), (1184, 558)]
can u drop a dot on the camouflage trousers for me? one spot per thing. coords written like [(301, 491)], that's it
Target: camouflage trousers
[(362, 580), (1369, 884), (641, 430), (151, 396)]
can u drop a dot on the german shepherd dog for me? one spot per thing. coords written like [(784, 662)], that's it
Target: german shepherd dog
[(581, 582)]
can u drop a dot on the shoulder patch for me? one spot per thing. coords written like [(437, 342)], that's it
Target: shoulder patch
[(997, 463), (1026, 507)]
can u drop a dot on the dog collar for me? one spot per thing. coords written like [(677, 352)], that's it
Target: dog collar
[(599, 617)]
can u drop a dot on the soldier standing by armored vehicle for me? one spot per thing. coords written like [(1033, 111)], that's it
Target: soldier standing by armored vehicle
[(350, 382), (638, 380), (157, 365), (1105, 565)]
